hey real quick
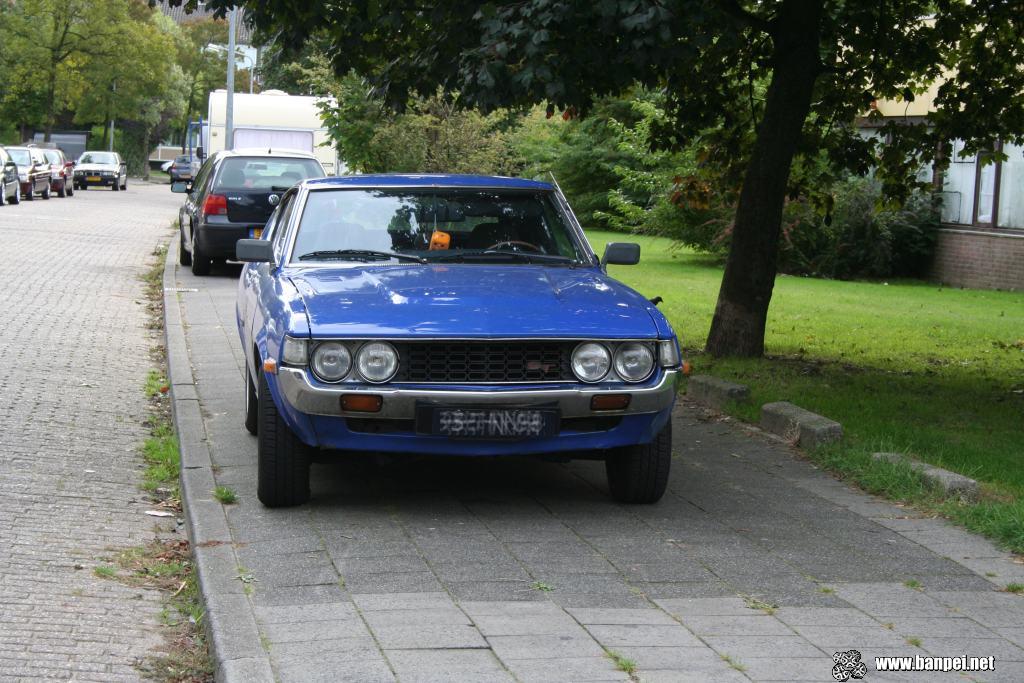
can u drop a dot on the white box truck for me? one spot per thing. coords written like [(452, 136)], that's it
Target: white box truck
[(273, 120)]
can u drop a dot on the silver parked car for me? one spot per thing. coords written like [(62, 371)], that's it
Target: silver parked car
[(102, 169)]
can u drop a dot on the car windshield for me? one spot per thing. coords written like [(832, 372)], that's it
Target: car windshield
[(52, 156), (181, 160), (457, 225), (98, 158), (21, 157), (265, 173)]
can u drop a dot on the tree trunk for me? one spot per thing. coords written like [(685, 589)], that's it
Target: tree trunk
[(738, 326)]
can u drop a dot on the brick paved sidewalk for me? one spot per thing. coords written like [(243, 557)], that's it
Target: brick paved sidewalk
[(74, 352), (500, 570)]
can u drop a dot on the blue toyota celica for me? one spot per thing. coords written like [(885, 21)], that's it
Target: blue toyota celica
[(448, 315)]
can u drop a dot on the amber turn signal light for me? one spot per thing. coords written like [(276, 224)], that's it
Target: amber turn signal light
[(270, 365), (610, 402), (361, 403)]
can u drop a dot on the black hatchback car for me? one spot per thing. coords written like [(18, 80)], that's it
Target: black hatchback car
[(232, 197)]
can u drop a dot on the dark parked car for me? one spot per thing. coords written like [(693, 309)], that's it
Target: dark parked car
[(181, 169), (61, 172), (232, 197), (33, 171), (103, 169), (10, 187)]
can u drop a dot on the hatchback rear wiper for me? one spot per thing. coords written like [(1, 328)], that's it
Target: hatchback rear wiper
[(500, 254), (359, 253)]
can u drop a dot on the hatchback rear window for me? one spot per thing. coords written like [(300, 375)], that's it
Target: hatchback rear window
[(265, 173)]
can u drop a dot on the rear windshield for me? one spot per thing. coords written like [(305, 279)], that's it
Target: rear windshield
[(98, 158), (265, 173), (21, 157), (52, 156), (181, 160)]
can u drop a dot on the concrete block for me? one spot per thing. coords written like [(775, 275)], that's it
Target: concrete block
[(950, 483), (800, 426), (714, 392)]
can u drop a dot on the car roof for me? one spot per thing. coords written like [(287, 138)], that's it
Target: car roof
[(264, 152), (428, 180)]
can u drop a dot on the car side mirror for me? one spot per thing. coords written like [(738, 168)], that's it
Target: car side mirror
[(200, 152), (10, 164), (621, 254), (254, 251), (180, 187)]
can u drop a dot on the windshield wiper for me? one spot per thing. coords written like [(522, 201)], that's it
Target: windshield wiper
[(501, 254), (355, 254)]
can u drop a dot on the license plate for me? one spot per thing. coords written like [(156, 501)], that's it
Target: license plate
[(490, 423), (255, 233), (93, 178)]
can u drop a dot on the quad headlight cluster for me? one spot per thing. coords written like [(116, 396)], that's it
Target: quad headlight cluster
[(631, 361), (331, 361)]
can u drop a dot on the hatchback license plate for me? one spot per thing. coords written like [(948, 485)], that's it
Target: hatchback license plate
[(492, 423)]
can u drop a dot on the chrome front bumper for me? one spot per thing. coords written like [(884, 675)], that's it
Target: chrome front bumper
[(400, 404)]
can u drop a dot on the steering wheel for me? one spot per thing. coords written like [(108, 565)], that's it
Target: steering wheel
[(517, 243)]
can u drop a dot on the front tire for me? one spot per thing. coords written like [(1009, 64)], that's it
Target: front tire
[(116, 186), (639, 474), (252, 413), (124, 185), (282, 478)]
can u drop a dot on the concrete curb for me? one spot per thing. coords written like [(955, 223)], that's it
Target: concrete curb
[(714, 392), (801, 427), (950, 483), (230, 621)]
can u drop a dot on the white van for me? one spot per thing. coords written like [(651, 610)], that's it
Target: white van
[(272, 120)]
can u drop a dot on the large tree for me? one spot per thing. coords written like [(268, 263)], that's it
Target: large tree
[(823, 61)]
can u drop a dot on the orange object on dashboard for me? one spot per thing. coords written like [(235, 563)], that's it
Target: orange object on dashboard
[(440, 240)]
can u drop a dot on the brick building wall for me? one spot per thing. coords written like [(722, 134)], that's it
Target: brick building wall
[(981, 259)]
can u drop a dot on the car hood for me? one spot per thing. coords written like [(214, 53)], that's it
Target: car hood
[(466, 300), (98, 167)]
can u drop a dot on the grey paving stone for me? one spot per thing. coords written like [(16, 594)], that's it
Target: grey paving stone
[(401, 582), (276, 596), (442, 666), (494, 591), (499, 608), (613, 636), (684, 589), (788, 669), (425, 636), (305, 631), (329, 668), (990, 608), (668, 676), (824, 616), (877, 636), (526, 624), (595, 667), (737, 625), (561, 647), (944, 627), (410, 617), (625, 599), (692, 659), (724, 606), (311, 612), (763, 646), (369, 602), (1004, 651), (891, 600), (608, 616)]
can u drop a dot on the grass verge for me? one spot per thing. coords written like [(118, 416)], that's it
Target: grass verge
[(164, 564), (904, 365)]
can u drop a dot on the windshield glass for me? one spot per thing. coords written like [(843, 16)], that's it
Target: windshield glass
[(265, 173), (434, 224), (21, 157), (98, 158), (181, 159)]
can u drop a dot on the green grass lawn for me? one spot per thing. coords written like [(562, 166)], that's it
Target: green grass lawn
[(904, 366)]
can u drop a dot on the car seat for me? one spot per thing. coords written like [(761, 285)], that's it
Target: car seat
[(232, 177)]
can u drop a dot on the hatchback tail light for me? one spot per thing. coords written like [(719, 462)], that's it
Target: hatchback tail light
[(215, 205)]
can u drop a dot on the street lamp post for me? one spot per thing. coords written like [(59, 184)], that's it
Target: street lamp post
[(230, 114)]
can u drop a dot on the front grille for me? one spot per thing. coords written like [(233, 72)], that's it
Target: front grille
[(485, 361)]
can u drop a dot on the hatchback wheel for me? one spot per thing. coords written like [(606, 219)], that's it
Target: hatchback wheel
[(282, 478), (184, 258), (200, 261), (63, 191), (70, 188), (46, 192), (16, 199), (639, 474)]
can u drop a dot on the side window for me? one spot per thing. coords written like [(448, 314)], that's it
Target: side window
[(204, 173)]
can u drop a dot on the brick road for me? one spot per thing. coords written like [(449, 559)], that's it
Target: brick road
[(74, 352), (500, 570)]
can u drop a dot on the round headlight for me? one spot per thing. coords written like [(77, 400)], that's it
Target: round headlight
[(590, 362), (377, 362), (634, 362), (331, 361)]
